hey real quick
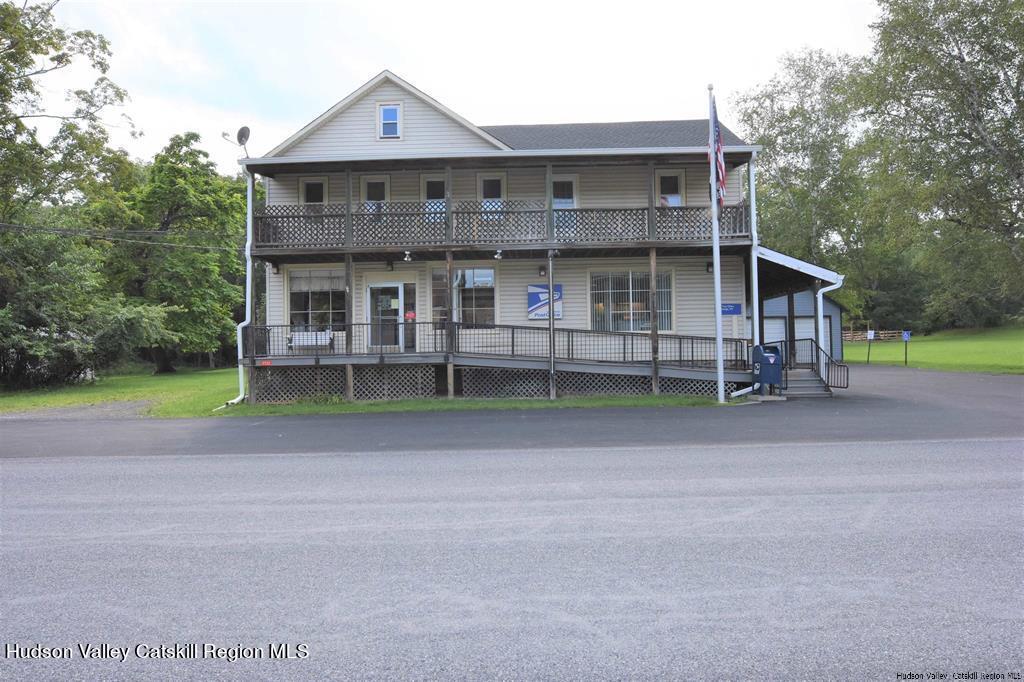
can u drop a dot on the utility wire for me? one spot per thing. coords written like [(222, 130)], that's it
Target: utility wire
[(113, 236)]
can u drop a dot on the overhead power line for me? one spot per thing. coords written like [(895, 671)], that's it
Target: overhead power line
[(127, 236)]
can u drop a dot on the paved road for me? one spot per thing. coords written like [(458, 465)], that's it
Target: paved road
[(885, 403), (583, 557)]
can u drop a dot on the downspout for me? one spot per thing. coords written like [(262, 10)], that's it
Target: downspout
[(248, 292), (821, 312)]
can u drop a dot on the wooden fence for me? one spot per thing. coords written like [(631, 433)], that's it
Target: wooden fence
[(880, 335)]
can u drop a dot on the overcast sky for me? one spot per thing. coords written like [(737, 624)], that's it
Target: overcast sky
[(274, 66)]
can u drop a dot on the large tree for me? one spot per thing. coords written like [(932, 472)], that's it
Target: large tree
[(48, 165), (947, 87), (181, 200), (904, 169), (59, 318)]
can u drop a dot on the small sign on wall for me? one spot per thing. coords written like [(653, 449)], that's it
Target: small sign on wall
[(732, 308), (537, 301)]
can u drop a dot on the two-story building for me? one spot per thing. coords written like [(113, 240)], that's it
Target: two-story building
[(409, 252)]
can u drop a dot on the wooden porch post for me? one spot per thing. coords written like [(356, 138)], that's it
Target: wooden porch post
[(350, 300), (652, 214), (791, 328), (449, 279), (552, 390), (348, 208), (449, 227), (653, 304), (549, 202)]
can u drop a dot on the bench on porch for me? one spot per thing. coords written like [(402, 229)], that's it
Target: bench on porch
[(303, 340)]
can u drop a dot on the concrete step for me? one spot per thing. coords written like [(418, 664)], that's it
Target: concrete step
[(808, 393)]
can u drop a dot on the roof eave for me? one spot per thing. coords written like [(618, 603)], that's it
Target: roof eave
[(501, 153), (809, 269)]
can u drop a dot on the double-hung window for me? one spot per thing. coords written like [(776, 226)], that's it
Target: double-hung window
[(473, 296), (670, 187), (491, 191), (389, 121), (432, 190), (316, 300), (313, 191), (620, 301)]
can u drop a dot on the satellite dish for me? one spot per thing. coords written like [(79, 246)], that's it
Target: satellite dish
[(242, 136)]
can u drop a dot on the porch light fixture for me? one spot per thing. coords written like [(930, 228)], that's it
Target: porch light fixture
[(497, 255), (275, 268), (408, 257), (542, 271), (390, 266), (710, 267)]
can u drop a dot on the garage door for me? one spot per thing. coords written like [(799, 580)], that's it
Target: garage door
[(805, 330), (774, 329)]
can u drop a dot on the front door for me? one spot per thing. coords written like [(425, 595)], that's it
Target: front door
[(386, 307)]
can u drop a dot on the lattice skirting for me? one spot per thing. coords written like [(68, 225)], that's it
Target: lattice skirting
[(676, 386), (486, 382), (392, 382), (480, 382), (288, 384), (371, 382)]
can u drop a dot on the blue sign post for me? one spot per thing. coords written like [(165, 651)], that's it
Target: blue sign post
[(906, 344)]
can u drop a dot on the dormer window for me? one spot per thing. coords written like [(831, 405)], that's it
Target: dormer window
[(389, 121)]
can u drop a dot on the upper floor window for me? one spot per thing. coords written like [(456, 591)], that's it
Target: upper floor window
[(670, 188), (490, 188), (389, 121), (313, 190)]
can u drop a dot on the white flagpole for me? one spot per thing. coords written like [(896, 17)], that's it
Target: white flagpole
[(716, 256)]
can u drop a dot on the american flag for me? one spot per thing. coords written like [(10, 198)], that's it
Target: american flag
[(715, 143)]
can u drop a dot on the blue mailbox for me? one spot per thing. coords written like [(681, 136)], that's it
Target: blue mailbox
[(767, 367)]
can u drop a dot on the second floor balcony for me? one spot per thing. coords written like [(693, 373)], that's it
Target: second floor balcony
[(492, 224)]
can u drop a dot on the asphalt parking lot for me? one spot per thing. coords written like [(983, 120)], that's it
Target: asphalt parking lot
[(875, 533)]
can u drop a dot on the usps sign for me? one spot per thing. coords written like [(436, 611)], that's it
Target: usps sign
[(537, 301)]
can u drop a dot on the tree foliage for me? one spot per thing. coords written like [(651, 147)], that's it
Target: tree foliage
[(904, 169), (182, 199), (69, 305)]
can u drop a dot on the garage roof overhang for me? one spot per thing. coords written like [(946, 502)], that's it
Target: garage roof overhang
[(780, 274)]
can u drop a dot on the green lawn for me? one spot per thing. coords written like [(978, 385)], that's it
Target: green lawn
[(195, 393), (999, 351)]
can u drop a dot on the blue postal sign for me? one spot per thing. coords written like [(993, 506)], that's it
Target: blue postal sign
[(537, 301), (732, 308), (906, 335)]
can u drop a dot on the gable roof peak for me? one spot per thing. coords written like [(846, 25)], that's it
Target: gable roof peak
[(366, 88)]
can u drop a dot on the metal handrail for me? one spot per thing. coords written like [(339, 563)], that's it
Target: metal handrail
[(389, 338), (834, 374)]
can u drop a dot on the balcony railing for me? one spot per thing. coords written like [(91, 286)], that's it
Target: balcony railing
[(496, 222), (494, 340)]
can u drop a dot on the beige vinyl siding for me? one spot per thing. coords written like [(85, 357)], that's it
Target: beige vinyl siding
[(276, 295), (353, 132), (597, 186), (693, 296), (693, 293)]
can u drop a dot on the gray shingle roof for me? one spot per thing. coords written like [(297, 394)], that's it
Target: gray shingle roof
[(627, 135)]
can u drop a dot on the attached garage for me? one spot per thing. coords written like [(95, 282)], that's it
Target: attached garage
[(776, 321)]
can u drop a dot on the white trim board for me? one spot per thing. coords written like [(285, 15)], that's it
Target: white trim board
[(815, 271)]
